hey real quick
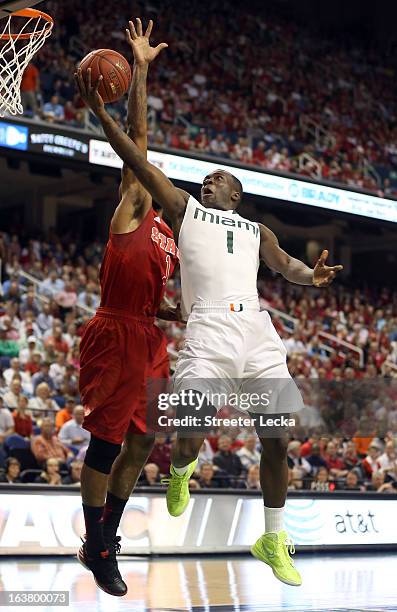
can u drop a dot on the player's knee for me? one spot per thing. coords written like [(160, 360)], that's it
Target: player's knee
[(101, 455), (137, 447), (274, 449)]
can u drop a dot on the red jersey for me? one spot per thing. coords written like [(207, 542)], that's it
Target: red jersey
[(136, 266)]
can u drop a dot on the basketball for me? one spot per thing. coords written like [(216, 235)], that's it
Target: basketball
[(115, 70)]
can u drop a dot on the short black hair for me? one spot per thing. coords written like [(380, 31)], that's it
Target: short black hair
[(11, 461)]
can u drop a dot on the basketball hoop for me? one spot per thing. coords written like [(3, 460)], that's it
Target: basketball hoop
[(24, 34)]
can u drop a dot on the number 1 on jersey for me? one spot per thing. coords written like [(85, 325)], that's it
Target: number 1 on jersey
[(168, 269), (230, 238)]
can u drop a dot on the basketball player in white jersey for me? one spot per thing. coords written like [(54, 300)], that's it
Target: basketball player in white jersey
[(227, 338)]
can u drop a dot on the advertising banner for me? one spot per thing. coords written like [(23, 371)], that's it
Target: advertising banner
[(51, 523), (259, 183)]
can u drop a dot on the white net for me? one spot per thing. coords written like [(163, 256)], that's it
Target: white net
[(22, 37)]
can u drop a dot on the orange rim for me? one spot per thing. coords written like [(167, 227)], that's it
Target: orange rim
[(30, 13)]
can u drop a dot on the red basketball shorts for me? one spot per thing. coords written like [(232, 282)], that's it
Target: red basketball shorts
[(118, 353)]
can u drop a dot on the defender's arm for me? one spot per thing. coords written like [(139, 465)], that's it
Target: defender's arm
[(135, 200)]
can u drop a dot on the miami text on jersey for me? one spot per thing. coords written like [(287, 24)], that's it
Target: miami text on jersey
[(208, 216)]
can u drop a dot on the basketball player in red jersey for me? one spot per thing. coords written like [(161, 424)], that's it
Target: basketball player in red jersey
[(122, 347)]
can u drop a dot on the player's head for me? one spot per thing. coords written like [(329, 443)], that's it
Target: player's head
[(222, 190)]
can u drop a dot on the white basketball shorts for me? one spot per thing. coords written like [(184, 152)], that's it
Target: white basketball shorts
[(236, 352)]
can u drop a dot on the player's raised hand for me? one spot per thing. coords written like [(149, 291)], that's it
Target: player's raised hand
[(324, 275), (140, 43), (89, 91)]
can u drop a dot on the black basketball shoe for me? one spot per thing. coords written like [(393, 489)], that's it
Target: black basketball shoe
[(104, 567)]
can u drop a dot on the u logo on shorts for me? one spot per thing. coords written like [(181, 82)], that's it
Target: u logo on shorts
[(234, 309)]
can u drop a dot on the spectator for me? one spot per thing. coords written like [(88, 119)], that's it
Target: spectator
[(8, 348), (315, 459), (42, 404), (46, 445), (74, 476), (388, 460), (70, 383), (30, 88), (206, 453), (378, 483), (249, 455), (23, 424), (151, 475), (57, 370), (351, 482), (55, 343), (225, 459), (43, 377), (253, 477), (12, 471), (89, 294), (350, 458), (295, 481), (50, 286), (50, 475), (300, 463), (371, 462), (71, 433), (6, 422), (26, 355), (11, 398), (15, 368), (67, 298), (218, 146), (207, 478), (335, 464), (161, 454), (321, 481), (45, 319), (53, 111), (65, 414), (294, 344)]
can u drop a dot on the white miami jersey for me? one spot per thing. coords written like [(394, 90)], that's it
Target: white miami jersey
[(219, 257)]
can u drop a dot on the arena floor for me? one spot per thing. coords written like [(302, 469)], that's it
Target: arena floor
[(336, 582)]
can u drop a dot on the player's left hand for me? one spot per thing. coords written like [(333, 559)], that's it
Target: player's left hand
[(140, 44), (89, 91), (166, 312), (324, 275)]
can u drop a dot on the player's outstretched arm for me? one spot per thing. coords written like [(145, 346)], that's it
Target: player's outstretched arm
[(157, 184), (293, 269), (143, 54), (135, 200)]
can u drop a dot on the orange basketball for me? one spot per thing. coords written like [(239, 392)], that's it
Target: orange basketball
[(115, 70)]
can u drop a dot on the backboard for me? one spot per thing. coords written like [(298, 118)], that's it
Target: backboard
[(10, 6)]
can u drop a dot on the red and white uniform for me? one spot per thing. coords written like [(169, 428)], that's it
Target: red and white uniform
[(121, 346)]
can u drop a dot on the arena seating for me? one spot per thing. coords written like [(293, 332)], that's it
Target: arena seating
[(342, 350), (289, 111)]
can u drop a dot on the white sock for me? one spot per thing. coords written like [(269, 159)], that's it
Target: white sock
[(181, 470), (274, 519)]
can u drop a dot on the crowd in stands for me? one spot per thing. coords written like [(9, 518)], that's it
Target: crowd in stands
[(345, 436), (255, 88)]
